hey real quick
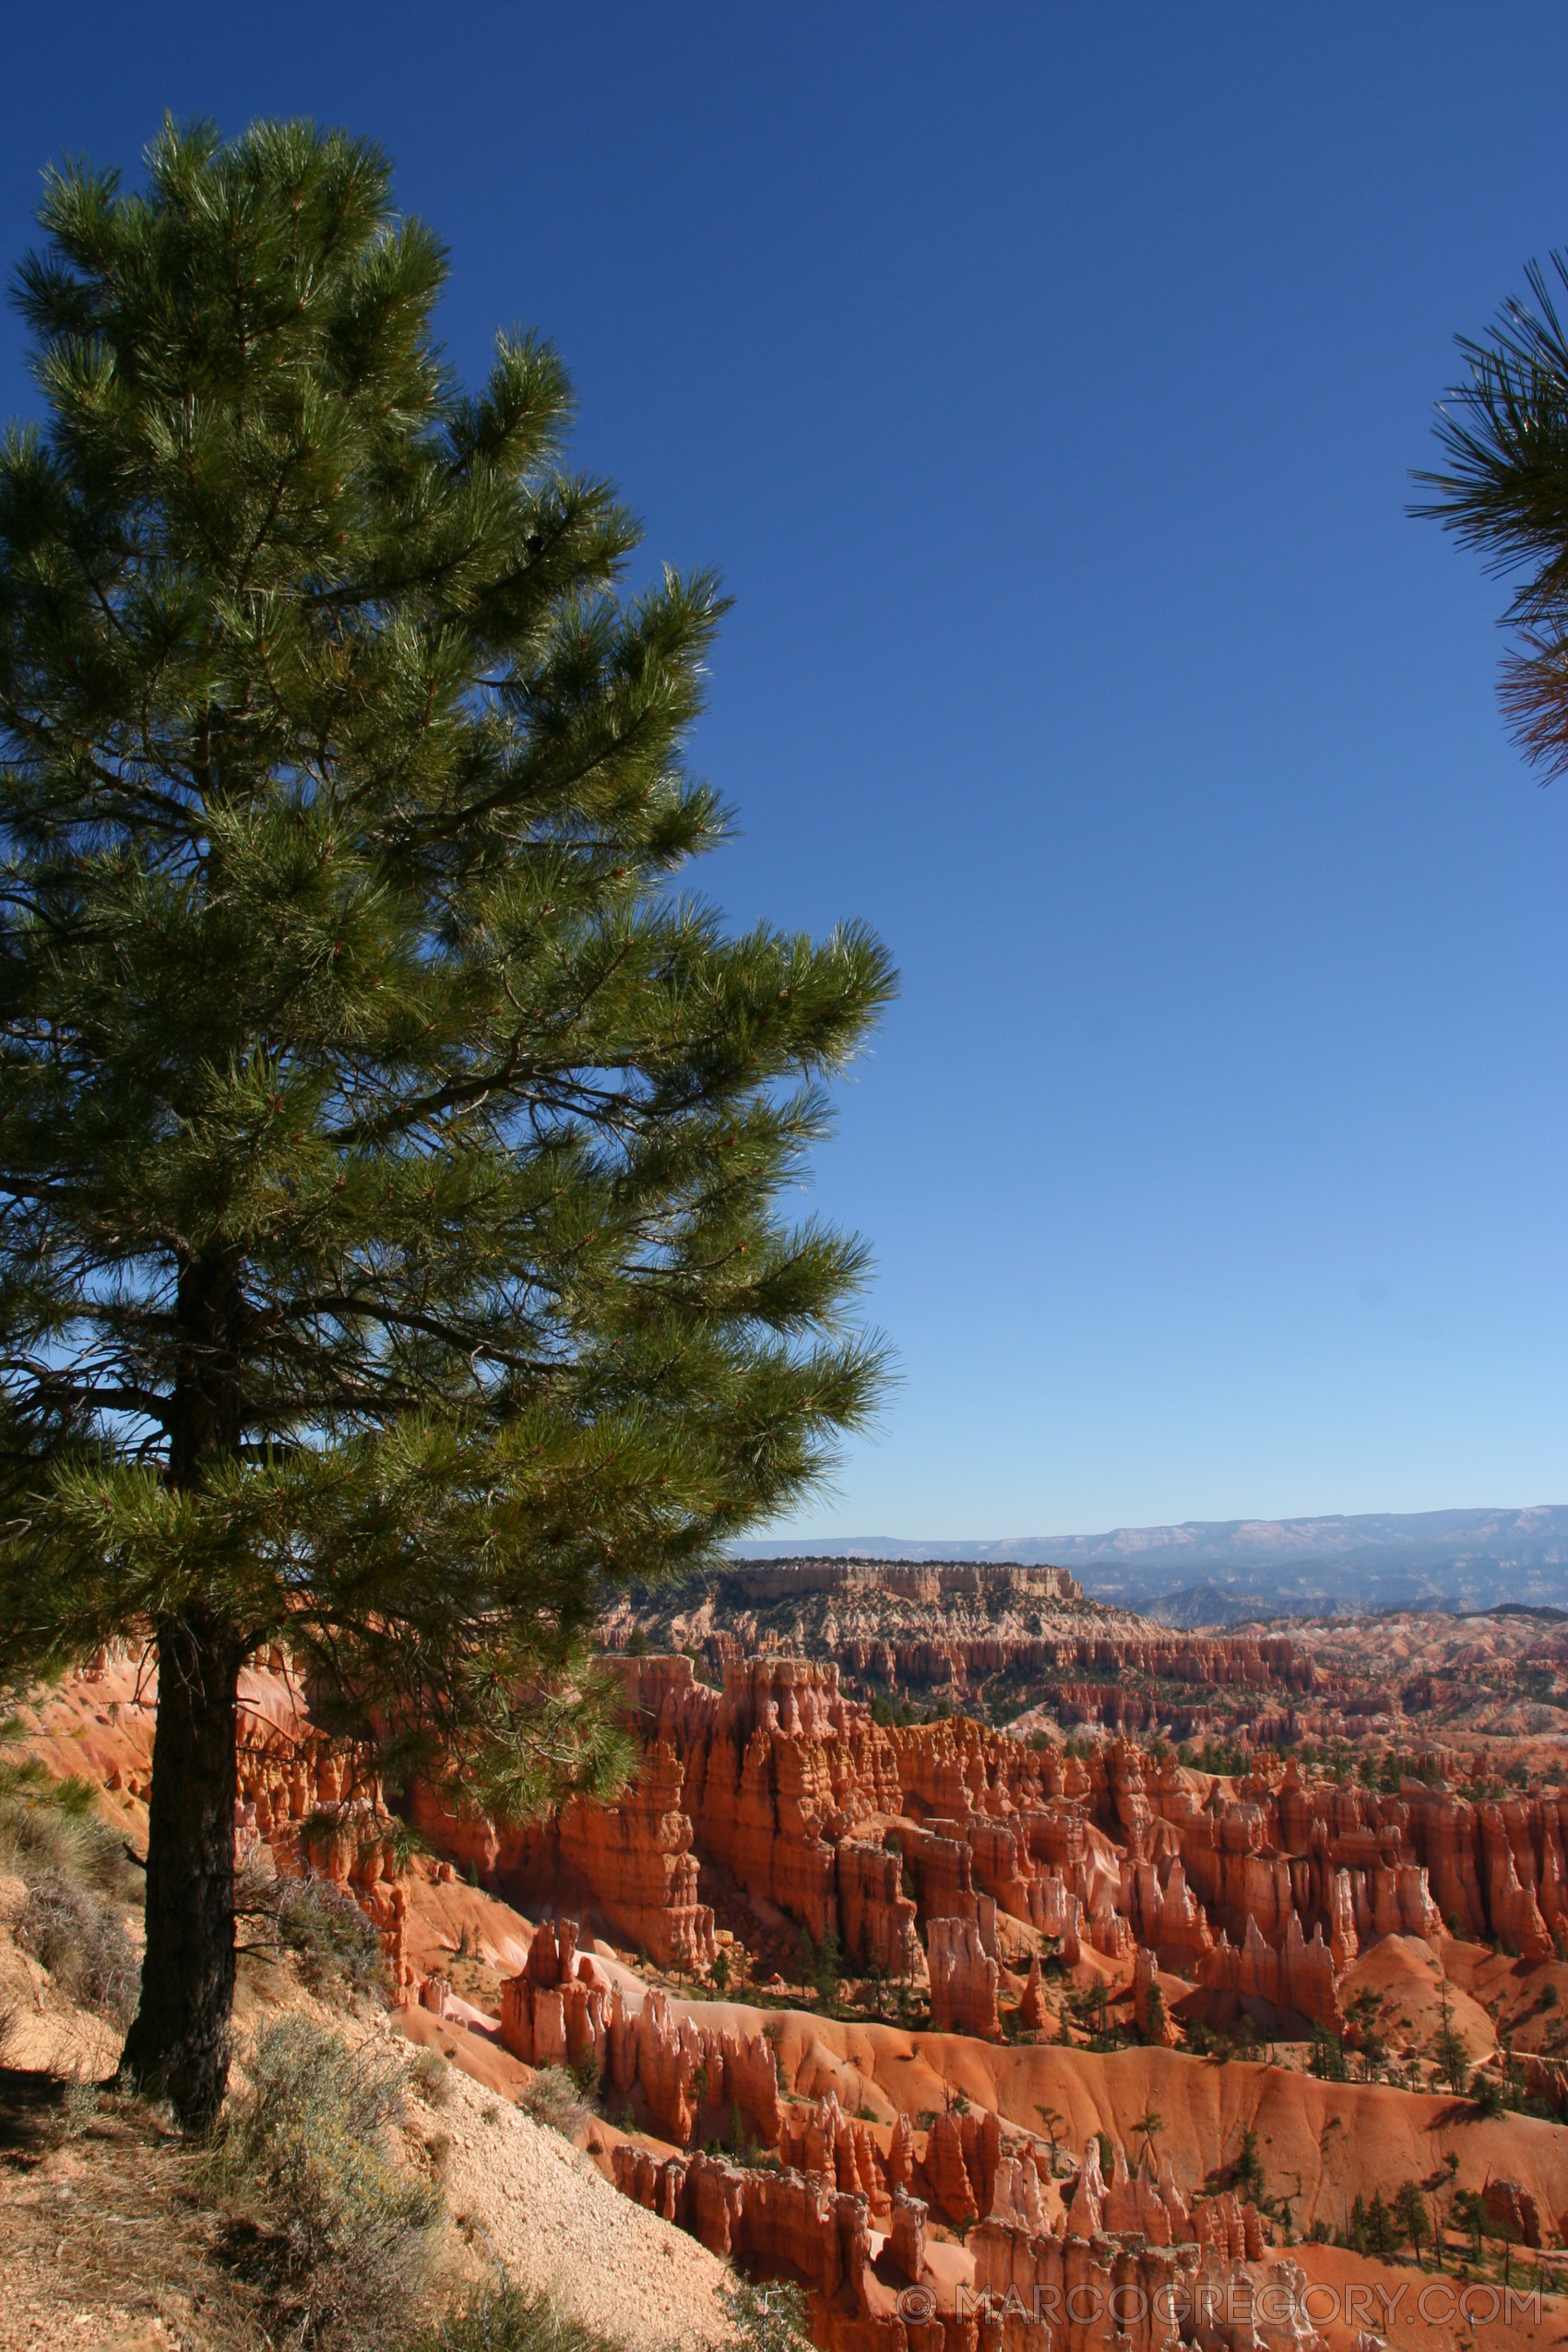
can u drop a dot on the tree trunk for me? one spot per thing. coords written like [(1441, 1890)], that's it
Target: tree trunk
[(178, 2046)]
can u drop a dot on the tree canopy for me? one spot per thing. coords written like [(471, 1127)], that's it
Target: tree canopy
[(392, 1243), (1505, 432)]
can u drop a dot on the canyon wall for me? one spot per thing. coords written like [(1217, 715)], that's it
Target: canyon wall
[(1268, 1889)]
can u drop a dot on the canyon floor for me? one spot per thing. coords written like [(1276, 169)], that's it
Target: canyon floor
[(1164, 1987)]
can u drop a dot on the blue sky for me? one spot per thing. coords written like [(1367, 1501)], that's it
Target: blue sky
[(1044, 382)]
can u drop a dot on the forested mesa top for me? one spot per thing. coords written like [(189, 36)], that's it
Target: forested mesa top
[(915, 1579)]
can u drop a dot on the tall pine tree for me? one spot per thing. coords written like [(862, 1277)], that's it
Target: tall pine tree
[(390, 1158)]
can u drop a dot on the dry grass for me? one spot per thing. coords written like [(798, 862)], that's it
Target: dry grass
[(139, 2245), (54, 1825), (81, 1940), (430, 2075), (328, 2219), (510, 2319), (79, 1885)]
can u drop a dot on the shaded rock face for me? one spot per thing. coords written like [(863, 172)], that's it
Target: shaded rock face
[(1298, 1975), (863, 1832), (965, 1980), (637, 1857), (783, 2221), (1148, 2011), (1346, 1864), (780, 1779), (631, 1861), (562, 2007), (1513, 2211), (1131, 2265)]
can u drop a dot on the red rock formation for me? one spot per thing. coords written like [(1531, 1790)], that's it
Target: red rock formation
[(1512, 1912), (940, 1863), (963, 1980), (1086, 2294), (906, 2237), (1086, 2206), (1513, 2211), (953, 2193), (825, 2142), (777, 1773), (1111, 1935), (1135, 2202), (560, 2006), (636, 1857), (1059, 1914), (1154, 2022), (900, 2155), (1014, 2195), (1228, 2229), (877, 1918), (1298, 1976), (1032, 2009), (779, 2221), (1085, 1671)]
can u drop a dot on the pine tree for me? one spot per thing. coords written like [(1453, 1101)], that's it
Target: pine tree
[(1410, 2206), (390, 1156), (1505, 433)]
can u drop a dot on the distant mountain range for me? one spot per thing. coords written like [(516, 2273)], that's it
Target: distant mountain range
[(1216, 1571)]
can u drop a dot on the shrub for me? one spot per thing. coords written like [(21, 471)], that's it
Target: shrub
[(350, 2242), (1328, 2056), (771, 2317), (49, 1824), (79, 2105), (82, 1943), (431, 2076), (401, 1843), (510, 2319), (552, 2100), (588, 2073), (337, 1948)]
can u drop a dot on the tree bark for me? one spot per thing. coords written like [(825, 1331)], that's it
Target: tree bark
[(178, 2046)]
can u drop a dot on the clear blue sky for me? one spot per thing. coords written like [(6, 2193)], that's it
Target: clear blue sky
[(1043, 380)]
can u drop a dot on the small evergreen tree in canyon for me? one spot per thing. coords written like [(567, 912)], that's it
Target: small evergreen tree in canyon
[(391, 1157)]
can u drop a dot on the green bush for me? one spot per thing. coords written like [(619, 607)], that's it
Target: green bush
[(336, 1947), (351, 2230), (552, 2098), (768, 2317), (509, 2318), (589, 2074), (82, 1943), (431, 2076), (79, 1880), (47, 1825)]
